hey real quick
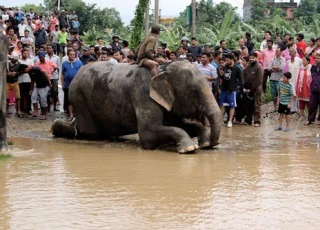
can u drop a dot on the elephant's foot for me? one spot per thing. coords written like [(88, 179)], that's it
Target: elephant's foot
[(204, 142), (187, 147)]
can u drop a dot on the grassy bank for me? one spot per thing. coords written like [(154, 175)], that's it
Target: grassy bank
[(4, 156)]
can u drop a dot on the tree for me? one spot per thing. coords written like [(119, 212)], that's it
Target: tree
[(90, 16), (277, 11), (28, 6), (307, 10), (138, 23), (207, 14), (258, 10)]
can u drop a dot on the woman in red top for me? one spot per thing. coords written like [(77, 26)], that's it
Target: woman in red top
[(303, 84)]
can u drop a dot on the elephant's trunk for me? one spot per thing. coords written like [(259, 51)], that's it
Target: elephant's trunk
[(212, 111), (62, 128)]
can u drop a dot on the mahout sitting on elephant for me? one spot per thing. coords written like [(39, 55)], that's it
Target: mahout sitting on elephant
[(116, 100)]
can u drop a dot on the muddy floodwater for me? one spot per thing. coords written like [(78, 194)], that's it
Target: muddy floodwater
[(257, 179)]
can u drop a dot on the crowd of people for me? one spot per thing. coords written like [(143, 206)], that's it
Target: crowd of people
[(45, 50)]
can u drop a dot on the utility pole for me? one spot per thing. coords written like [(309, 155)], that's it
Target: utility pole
[(146, 32), (58, 5), (193, 25), (156, 12)]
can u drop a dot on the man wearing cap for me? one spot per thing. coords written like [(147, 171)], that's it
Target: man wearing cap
[(45, 65), (13, 72), (115, 43), (40, 86), (85, 56), (147, 50), (63, 20)]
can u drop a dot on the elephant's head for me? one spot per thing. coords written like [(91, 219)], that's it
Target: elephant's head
[(183, 90)]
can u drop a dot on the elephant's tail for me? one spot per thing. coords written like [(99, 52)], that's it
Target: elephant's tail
[(65, 129)]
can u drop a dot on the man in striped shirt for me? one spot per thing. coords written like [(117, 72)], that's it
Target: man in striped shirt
[(209, 72)]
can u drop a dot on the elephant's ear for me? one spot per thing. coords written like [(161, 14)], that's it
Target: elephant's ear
[(161, 91)]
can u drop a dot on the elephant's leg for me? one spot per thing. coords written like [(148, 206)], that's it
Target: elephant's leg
[(153, 135), (85, 125), (196, 129)]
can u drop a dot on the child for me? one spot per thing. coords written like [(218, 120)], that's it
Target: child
[(285, 99)]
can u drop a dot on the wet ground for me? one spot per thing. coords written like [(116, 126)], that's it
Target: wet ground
[(256, 179)]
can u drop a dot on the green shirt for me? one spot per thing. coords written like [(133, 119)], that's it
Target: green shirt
[(62, 37), (286, 91)]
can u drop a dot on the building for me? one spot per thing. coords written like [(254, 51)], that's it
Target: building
[(287, 7)]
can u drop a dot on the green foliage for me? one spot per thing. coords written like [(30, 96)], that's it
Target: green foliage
[(37, 8), (258, 10), (213, 16), (275, 11), (138, 23), (307, 10), (4, 156), (10, 143), (90, 15), (267, 97)]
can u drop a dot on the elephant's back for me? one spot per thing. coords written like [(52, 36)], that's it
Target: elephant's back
[(105, 89)]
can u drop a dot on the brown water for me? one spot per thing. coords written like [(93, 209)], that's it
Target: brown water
[(257, 179)]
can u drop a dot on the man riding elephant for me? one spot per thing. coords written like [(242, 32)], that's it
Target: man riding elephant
[(3, 83), (147, 49)]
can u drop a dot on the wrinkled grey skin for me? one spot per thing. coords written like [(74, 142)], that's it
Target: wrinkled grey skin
[(115, 100), (3, 96)]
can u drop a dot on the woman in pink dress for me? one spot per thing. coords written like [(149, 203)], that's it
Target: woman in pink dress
[(53, 22), (303, 84)]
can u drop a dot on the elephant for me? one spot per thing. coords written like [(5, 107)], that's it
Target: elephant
[(115, 100), (3, 95)]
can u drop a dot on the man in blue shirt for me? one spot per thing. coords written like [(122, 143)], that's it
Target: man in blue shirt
[(69, 70)]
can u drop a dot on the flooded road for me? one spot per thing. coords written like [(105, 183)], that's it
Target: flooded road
[(257, 179)]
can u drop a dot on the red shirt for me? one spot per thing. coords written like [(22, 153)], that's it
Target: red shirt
[(301, 48), (47, 67)]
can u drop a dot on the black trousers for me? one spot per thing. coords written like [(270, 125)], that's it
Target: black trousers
[(66, 102), (266, 75), (313, 107), (240, 110), (25, 102)]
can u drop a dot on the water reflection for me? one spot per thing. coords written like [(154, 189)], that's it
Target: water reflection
[(250, 182)]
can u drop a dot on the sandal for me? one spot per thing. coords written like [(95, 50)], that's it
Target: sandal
[(278, 128), (20, 115), (33, 116), (43, 118)]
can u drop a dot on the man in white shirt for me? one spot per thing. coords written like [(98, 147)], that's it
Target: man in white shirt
[(22, 27), (25, 83), (294, 63), (105, 56), (263, 44), (27, 40)]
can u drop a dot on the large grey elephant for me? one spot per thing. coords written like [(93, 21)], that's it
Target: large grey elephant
[(115, 100), (3, 83)]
